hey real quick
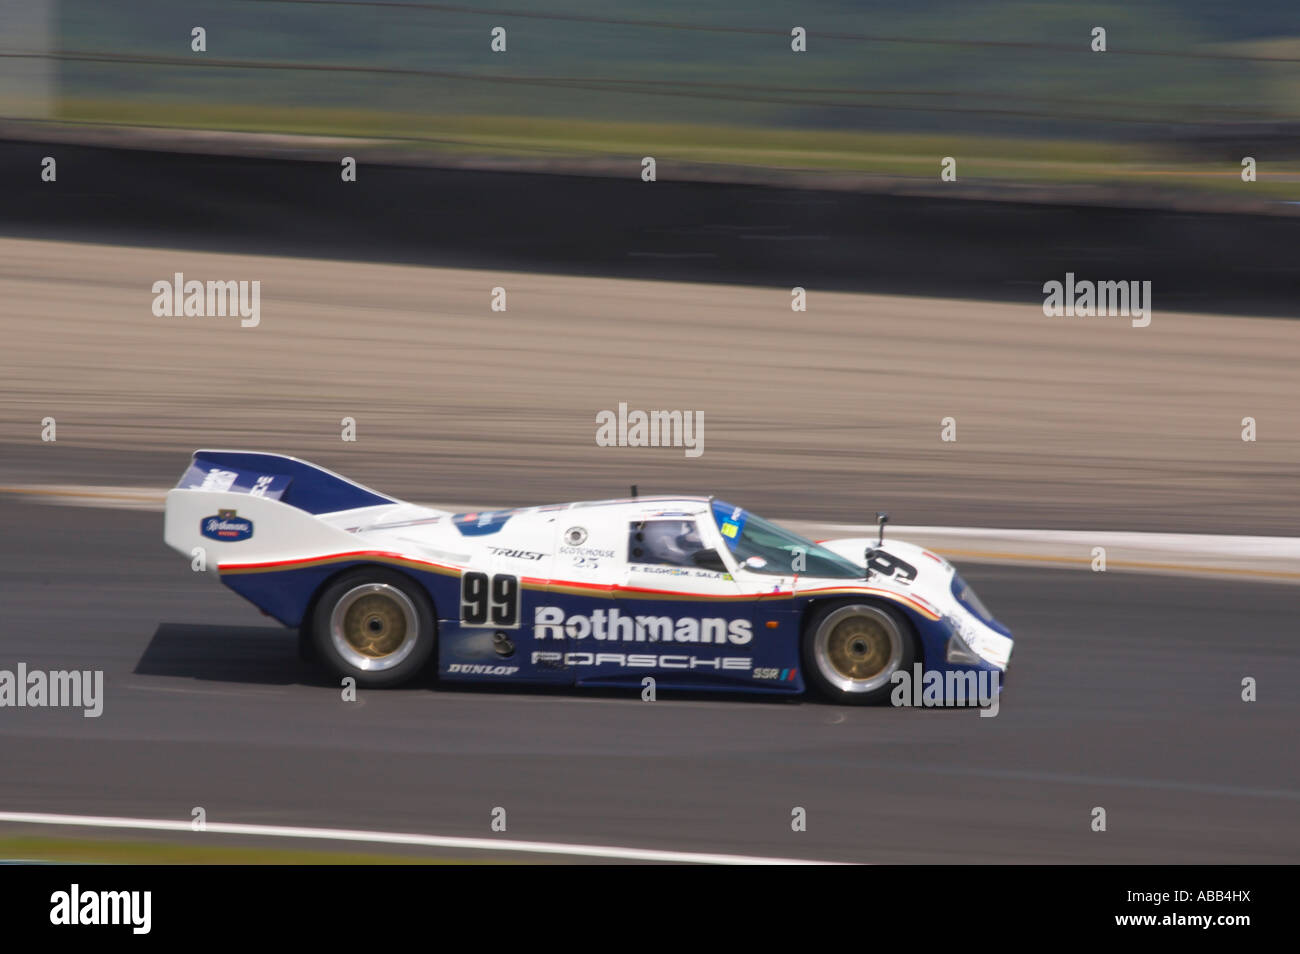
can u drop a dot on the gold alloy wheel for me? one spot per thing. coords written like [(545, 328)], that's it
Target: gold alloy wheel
[(857, 648), (374, 626)]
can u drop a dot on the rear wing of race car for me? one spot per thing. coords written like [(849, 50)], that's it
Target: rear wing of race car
[(249, 506), (276, 477)]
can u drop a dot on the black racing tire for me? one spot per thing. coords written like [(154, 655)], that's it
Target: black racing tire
[(852, 648), (374, 625)]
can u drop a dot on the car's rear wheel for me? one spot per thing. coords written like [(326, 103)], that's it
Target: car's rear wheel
[(852, 650), (374, 625)]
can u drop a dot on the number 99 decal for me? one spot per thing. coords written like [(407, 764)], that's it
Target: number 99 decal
[(886, 565), (489, 600)]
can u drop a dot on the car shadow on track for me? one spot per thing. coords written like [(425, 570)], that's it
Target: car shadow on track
[(268, 656), (259, 655)]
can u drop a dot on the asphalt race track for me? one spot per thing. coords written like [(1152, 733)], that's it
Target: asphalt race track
[(1123, 693)]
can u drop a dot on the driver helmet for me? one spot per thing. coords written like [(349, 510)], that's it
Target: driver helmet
[(672, 541)]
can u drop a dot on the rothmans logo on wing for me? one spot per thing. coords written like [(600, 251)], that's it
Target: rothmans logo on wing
[(226, 526), (550, 622)]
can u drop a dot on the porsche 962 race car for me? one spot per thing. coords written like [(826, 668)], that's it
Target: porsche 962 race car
[(697, 593)]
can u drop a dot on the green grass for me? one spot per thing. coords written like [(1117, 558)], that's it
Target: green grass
[(91, 851)]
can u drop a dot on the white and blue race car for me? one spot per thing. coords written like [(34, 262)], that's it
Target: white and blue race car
[(691, 591)]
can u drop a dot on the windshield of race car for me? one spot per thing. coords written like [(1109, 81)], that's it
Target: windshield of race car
[(763, 547)]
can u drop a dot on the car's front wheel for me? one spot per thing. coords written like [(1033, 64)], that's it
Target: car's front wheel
[(374, 625), (852, 650)]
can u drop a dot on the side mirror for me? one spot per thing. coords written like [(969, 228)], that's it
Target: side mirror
[(867, 557), (709, 560)]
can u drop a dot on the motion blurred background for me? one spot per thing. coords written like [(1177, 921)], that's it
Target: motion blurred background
[(1014, 90)]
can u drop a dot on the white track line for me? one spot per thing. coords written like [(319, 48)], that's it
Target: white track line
[(397, 838), (1274, 559), (1284, 548)]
